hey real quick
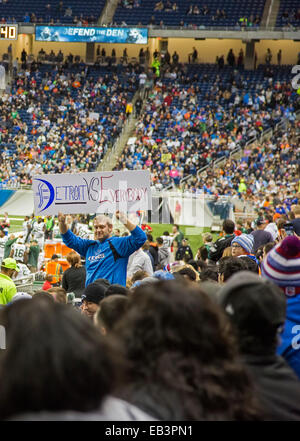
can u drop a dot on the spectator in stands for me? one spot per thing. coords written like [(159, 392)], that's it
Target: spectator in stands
[(47, 284), (216, 250), (73, 279), (59, 294), (139, 261), (256, 307), (111, 310), (227, 266), (282, 267), (242, 246), (160, 315), (296, 221), (74, 349), (261, 237), (117, 249), (164, 255), (7, 286)]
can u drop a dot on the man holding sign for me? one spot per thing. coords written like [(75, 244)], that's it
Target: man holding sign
[(106, 256)]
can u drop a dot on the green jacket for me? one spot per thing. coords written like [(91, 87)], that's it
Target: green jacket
[(7, 247), (7, 289), (33, 257)]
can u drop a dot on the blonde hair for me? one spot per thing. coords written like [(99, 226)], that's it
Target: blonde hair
[(74, 259), (103, 219), (227, 252)]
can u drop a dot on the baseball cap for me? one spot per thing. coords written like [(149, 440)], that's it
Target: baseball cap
[(94, 293), (252, 310), (10, 264)]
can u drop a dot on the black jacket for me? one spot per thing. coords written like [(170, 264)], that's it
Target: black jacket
[(217, 248), (74, 280), (278, 387)]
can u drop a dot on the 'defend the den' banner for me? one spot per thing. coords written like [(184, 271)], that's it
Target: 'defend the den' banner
[(76, 34), (99, 192)]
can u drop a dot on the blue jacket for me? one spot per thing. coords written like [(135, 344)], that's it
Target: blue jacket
[(107, 259), (290, 337)]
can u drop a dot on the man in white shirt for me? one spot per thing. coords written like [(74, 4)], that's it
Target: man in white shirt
[(139, 261)]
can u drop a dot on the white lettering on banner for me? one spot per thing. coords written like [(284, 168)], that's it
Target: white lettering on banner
[(92, 192)]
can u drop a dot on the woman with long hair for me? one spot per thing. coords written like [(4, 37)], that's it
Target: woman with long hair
[(74, 277)]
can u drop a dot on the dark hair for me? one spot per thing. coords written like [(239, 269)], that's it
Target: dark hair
[(203, 252), (209, 273), (177, 226), (228, 226), (189, 273), (166, 233), (149, 237), (116, 289), (268, 247), (230, 265), (250, 264), (201, 265), (191, 366), (111, 310), (194, 264), (55, 360), (160, 240)]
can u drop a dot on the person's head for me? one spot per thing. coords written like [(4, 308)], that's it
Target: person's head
[(250, 264), (74, 259), (149, 237), (166, 233), (228, 226), (210, 273), (54, 257), (257, 309), (242, 245), (9, 267), (184, 242), (139, 275), (91, 297), (190, 344), (111, 310), (282, 265), (268, 247), (188, 273), (40, 220), (61, 354), (227, 252), (203, 253), (296, 211), (26, 218), (207, 237), (261, 223), (49, 277), (159, 241), (228, 266), (43, 296), (59, 294), (117, 232), (175, 228), (102, 228), (116, 289)]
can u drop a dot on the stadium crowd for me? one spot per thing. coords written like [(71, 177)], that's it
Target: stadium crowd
[(196, 115), (62, 120), (219, 341)]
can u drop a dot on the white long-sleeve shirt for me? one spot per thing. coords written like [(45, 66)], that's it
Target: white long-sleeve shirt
[(139, 261)]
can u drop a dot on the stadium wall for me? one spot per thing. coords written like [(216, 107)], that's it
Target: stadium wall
[(5, 195), (207, 49)]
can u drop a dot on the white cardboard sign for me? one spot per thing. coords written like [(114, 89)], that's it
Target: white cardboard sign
[(97, 192)]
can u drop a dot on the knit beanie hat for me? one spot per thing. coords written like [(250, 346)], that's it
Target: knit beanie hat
[(246, 241), (282, 265)]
